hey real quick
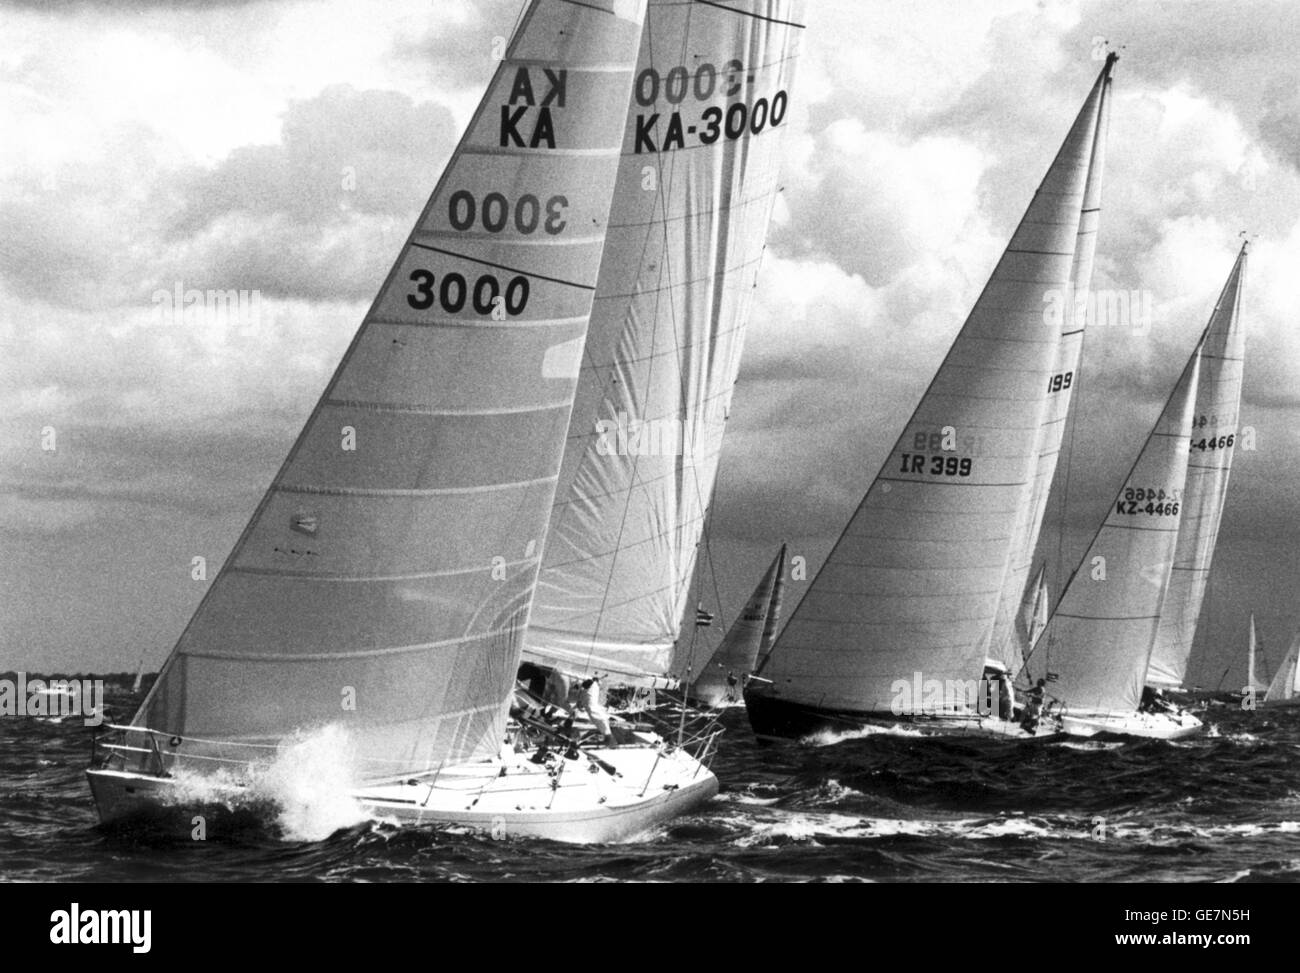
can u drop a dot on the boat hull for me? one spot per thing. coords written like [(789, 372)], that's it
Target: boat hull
[(504, 798), (778, 719), (1146, 726)]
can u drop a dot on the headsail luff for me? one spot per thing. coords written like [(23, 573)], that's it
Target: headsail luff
[(913, 583), (735, 657), (773, 610), (1037, 610), (1213, 440), (1095, 648), (392, 561), (1009, 641), (696, 185)]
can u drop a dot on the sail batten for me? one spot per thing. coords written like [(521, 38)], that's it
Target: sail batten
[(385, 579)]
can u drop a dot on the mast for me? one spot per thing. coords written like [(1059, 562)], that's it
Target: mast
[(385, 579), (1213, 439), (696, 185), (913, 583)]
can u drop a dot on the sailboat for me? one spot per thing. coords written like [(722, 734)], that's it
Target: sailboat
[(139, 676), (722, 677), (1097, 649), (1213, 442), (696, 187), (1284, 690), (899, 622), (385, 580), (1254, 684)]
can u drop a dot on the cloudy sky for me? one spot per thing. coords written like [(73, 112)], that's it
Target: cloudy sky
[(285, 147)]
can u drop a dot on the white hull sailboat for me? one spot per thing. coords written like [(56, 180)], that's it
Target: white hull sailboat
[(384, 583), (915, 608), (508, 796), (1095, 654)]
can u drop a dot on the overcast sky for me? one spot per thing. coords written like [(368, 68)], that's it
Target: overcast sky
[(286, 147)]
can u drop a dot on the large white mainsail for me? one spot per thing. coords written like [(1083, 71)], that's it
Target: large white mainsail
[(1009, 642), (695, 190), (720, 676), (912, 586), (385, 579), (1213, 438), (1094, 650)]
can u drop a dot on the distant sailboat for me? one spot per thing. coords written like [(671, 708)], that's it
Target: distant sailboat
[(1284, 690), (1253, 682), (139, 676), (696, 186), (899, 621), (1214, 432), (723, 675), (385, 580)]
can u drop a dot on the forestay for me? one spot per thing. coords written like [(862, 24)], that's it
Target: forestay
[(1213, 442), (384, 581), (913, 584), (696, 184)]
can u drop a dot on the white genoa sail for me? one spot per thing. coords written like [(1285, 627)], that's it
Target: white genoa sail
[(1285, 686), (913, 584), (696, 185), (1214, 431), (720, 677), (393, 559), (1095, 648)]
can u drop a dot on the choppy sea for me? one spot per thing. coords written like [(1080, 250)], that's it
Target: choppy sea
[(888, 805)]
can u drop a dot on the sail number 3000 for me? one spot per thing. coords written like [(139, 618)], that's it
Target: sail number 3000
[(485, 297)]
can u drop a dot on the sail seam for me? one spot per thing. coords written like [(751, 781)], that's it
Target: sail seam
[(385, 492), (499, 266), (428, 410), (750, 13), (363, 579), (355, 654)]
